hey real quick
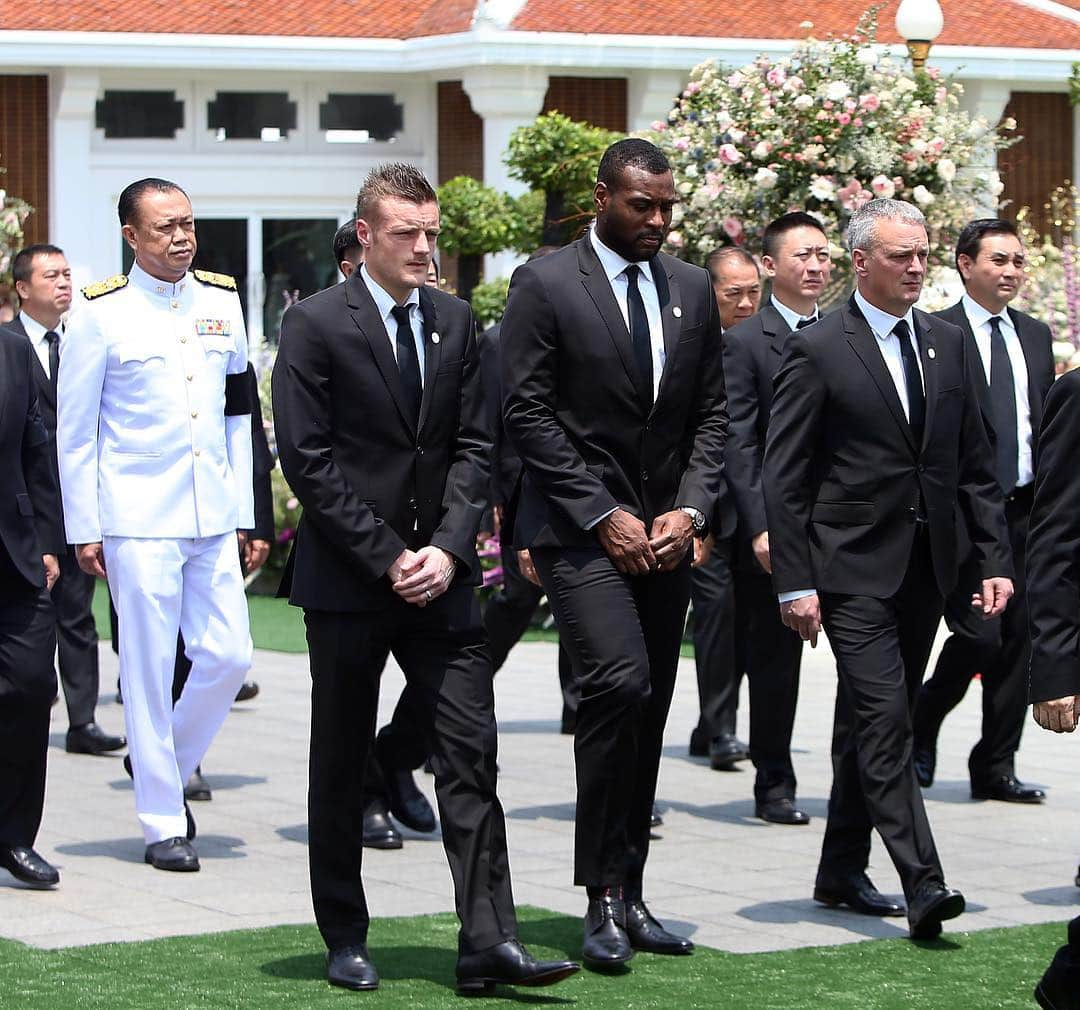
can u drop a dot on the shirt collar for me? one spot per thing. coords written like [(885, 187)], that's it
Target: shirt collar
[(791, 317), (980, 316), (880, 321), (613, 263), (384, 301), (155, 286), (34, 330)]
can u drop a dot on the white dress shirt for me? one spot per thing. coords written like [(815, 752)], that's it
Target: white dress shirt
[(36, 332), (881, 325), (790, 316), (614, 267), (979, 318), (385, 303)]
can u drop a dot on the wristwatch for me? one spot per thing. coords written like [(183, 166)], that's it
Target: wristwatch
[(697, 517)]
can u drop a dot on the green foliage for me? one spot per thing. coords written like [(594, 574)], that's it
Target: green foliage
[(1074, 84), (13, 214), (528, 212), (476, 219), (489, 301)]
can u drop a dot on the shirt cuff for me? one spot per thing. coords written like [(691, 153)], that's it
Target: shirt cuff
[(796, 594), (594, 522)]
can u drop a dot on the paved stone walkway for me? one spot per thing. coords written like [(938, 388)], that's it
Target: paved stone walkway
[(731, 881)]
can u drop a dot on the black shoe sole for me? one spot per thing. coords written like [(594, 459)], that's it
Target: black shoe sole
[(608, 966), (94, 751), (173, 868), (383, 843), (198, 795), (485, 985), (673, 951), (1034, 801), (831, 900), (342, 983), (930, 927), (761, 816)]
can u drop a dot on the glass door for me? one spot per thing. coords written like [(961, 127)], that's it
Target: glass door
[(297, 261)]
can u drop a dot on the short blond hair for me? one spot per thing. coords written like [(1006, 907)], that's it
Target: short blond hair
[(396, 179)]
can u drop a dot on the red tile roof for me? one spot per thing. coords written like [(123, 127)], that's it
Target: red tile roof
[(967, 22)]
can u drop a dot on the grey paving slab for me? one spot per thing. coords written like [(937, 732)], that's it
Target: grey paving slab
[(729, 880)]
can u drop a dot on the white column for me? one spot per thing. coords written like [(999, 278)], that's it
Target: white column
[(651, 95), (986, 98), (505, 98), (73, 220)]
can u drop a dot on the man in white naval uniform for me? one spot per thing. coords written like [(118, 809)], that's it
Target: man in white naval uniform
[(154, 443)]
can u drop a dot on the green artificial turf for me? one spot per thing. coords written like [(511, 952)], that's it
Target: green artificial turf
[(283, 967)]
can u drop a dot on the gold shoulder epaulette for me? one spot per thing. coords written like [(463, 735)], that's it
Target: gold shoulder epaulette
[(217, 280), (99, 288)]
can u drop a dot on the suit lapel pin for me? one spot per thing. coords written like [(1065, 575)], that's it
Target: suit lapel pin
[(435, 338), (677, 312), (931, 353)]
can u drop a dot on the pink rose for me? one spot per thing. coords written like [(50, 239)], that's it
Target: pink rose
[(682, 144), (729, 154), (883, 186), (732, 228), (857, 121), (870, 102), (844, 118), (775, 77)]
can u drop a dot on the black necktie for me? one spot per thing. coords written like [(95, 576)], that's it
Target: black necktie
[(803, 323), (53, 339), (408, 362), (640, 337), (1003, 402), (913, 381)]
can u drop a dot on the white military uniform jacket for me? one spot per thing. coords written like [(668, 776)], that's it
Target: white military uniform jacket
[(144, 446)]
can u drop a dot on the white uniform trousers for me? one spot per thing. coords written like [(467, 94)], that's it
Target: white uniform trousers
[(160, 587)]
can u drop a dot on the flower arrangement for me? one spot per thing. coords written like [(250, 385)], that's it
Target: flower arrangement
[(825, 129), (13, 214)]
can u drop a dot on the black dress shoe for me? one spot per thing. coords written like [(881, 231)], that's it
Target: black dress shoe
[(781, 811), (725, 752), (607, 946), (931, 905), (92, 739), (699, 743), (655, 820), (379, 830), (1007, 789), (248, 690), (859, 894), (407, 803), (192, 830), (174, 854), (647, 934), (1059, 988), (508, 963), (197, 789), (924, 756), (24, 864), (350, 968)]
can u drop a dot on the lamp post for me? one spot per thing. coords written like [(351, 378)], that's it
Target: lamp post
[(919, 22)]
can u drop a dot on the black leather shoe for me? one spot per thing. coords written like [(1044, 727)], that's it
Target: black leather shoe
[(197, 789), (931, 905), (248, 690), (1007, 789), (859, 894), (407, 803), (24, 864), (174, 854), (647, 934), (607, 946), (699, 743), (1059, 988), (725, 752), (781, 811), (508, 963), (192, 830), (350, 968), (379, 830), (655, 820), (925, 758), (92, 739)]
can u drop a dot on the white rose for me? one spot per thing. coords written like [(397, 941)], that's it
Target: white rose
[(996, 186), (737, 136), (690, 171), (723, 119), (765, 178), (919, 145), (837, 91), (905, 84), (946, 169), (803, 102), (822, 188), (922, 196), (868, 57), (761, 149)]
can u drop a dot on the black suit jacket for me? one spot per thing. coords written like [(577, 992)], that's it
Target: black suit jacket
[(505, 462), (1053, 548), (844, 480), (369, 483), (30, 501), (262, 463), (573, 399)]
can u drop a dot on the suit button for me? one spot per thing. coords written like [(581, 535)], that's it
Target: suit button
[(189, 376), (922, 468), (644, 474), (183, 340), (412, 503), (420, 450), (194, 413), (912, 514), (198, 452)]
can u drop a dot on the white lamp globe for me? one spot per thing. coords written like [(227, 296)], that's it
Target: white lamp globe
[(919, 20)]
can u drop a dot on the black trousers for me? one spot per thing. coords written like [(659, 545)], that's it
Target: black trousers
[(623, 634), (771, 655), (998, 648), (27, 689), (881, 648), (76, 639), (442, 652), (712, 592)]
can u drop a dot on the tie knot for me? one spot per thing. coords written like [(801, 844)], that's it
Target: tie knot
[(400, 313), (51, 336), (995, 324), (901, 330), (632, 272)]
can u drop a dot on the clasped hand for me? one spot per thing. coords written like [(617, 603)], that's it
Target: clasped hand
[(419, 577), (634, 552)]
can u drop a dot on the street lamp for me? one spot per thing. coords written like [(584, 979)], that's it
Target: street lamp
[(919, 22)]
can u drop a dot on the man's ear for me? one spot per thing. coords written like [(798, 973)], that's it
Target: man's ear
[(363, 232)]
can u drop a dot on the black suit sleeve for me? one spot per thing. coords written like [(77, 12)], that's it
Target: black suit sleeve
[(302, 422), (744, 451), (530, 367), (978, 494), (1053, 548), (791, 446), (41, 485), (703, 480), (467, 477), (262, 463)]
